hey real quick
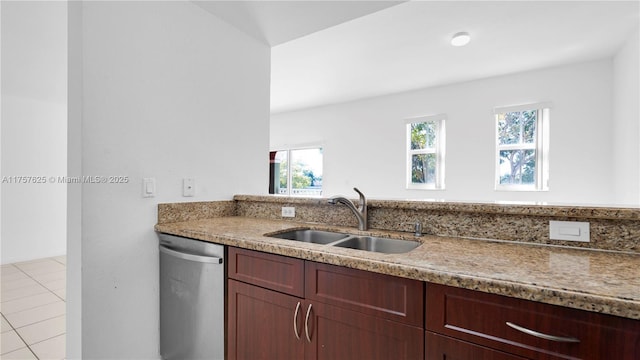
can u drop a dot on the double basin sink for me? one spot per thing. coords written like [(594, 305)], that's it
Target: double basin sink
[(358, 242)]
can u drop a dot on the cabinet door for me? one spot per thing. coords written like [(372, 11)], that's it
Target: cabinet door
[(440, 347), (340, 334), (261, 324)]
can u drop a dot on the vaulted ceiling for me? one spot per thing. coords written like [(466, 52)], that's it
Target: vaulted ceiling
[(330, 52)]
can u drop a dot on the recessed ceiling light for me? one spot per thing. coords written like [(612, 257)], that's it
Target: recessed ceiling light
[(460, 39)]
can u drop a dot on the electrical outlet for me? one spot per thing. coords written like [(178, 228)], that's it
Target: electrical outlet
[(288, 211), (188, 187), (569, 230)]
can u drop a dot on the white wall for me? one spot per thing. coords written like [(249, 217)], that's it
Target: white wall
[(365, 140), (626, 115), (168, 91), (0, 132), (34, 111), (74, 192)]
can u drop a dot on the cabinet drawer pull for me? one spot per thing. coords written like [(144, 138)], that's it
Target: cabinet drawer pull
[(306, 323), (542, 335), (295, 321)]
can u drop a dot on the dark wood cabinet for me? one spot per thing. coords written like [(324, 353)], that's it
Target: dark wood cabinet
[(286, 308), (528, 329), (383, 296), (439, 347), (275, 272), (344, 314), (341, 334), (262, 323)]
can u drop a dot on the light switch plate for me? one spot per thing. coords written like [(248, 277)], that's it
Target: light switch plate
[(148, 187), (569, 230)]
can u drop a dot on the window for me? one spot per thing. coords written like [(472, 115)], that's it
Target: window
[(425, 152), (296, 172), (522, 147)]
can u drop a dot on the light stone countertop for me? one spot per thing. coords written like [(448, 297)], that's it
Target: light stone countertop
[(600, 281)]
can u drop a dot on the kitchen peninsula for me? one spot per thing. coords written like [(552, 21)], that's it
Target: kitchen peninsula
[(501, 253)]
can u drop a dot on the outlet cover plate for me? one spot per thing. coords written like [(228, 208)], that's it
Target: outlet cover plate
[(188, 187), (288, 211), (569, 230)]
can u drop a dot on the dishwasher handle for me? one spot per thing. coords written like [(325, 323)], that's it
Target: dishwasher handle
[(191, 257)]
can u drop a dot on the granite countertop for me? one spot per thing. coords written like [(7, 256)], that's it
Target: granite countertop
[(600, 281)]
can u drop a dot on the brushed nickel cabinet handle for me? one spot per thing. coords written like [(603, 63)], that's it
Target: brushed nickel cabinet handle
[(295, 321), (542, 335), (306, 323)]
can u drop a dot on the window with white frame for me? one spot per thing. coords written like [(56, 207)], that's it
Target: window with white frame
[(522, 147), (425, 152), (296, 172)]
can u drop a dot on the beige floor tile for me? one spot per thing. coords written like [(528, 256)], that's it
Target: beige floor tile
[(34, 263), (43, 268), (36, 314), (22, 354), (14, 276), (62, 293), (8, 269), (43, 330), (9, 307), (5, 325), (32, 301), (23, 292), (51, 276), (50, 349), (55, 285), (16, 284), (9, 342), (29, 262)]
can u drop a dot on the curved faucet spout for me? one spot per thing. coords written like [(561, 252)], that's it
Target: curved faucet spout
[(360, 212)]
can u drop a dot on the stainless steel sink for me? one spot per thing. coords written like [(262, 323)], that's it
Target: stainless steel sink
[(311, 236), (366, 243), (376, 244)]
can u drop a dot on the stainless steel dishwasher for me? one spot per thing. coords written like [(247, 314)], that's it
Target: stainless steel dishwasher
[(191, 299)]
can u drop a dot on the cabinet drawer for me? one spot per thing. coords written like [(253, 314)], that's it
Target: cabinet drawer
[(380, 295), (275, 272), (484, 319), (446, 348)]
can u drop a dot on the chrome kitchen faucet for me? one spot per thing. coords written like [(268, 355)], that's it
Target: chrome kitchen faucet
[(360, 212)]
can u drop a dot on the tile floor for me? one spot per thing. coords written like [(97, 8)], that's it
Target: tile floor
[(32, 307)]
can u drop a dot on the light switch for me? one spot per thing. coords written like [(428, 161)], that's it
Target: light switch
[(569, 230), (148, 187), (188, 187)]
